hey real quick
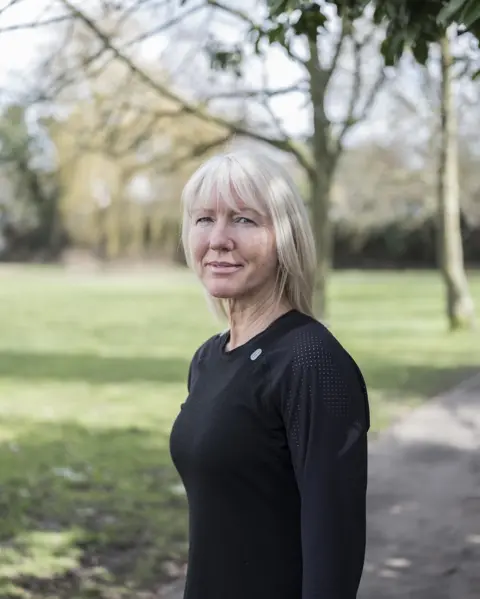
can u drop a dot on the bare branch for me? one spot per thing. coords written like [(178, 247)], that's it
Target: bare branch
[(199, 150), (296, 58), (356, 86), (409, 104), (35, 24), (9, 5), (159, 114), (168, 165), (318, 89), (285, 145), (338, 51), (353, 120), (428, 87), (88, 61), (242, 16), (194, 51), (253, 25), (163, 27), (132, 9), (301, 86), (355, 113), (375, 88), (266, 104), (145, 133)]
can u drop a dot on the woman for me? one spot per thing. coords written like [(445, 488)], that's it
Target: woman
[(271, 442)]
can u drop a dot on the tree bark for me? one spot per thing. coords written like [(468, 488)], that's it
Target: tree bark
[(459, 303), (320, 202), (320, 180)]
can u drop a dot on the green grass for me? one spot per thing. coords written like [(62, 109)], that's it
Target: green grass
[(92, 372)]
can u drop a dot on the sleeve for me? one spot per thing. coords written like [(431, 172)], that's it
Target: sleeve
[(325, 410)]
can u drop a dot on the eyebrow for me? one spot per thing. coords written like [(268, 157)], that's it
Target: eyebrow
[(196, 210), (212, 211)]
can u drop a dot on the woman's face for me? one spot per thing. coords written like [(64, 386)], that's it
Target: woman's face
[(233, 250)]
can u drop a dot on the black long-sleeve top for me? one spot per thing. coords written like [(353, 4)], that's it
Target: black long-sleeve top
[(271, 446)]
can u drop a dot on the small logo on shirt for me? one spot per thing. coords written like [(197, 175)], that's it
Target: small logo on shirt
[(255, 354)]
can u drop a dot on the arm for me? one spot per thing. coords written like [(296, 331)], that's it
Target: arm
[(325, 410)]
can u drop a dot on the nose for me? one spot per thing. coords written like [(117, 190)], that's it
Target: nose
[(220, 239)]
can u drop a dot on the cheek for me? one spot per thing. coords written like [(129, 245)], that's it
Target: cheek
[(265, 249), (198, 242)]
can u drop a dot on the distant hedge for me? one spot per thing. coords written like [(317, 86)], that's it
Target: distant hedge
[(396, 247)]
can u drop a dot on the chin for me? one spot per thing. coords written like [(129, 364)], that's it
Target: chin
[(223, 293)]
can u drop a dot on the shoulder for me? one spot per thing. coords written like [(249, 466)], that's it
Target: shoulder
[(309, 344), (201, 355), (311, 355), (205, 350)]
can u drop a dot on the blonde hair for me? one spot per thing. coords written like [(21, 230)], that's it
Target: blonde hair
[(264, 185)]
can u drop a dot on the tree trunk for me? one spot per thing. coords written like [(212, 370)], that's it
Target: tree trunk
[(320, 201), (459, 303), (320, 180)]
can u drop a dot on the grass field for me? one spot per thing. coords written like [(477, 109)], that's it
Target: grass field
[(92, 372)]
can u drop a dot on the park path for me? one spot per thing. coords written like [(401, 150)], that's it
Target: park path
[(424, 503)]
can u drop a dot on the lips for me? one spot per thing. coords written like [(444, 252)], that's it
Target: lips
[(223, 268), (223, 264)]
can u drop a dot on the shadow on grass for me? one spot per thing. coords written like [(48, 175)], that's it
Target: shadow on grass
[(88, 513), (91, 368), (390, 377), (396, 380)]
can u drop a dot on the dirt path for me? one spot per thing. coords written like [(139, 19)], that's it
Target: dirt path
[(424, 504)]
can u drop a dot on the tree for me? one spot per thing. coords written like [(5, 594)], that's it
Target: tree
[(440, 106), (460, 307), (121, 153), (121, 148), (29, 196), (318, 153), (424, 24), (319, 64), (411, 24)]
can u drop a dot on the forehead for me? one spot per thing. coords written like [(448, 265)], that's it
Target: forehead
[(219, 197), (221, 204)]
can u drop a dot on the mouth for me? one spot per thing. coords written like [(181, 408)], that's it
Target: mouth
[(223, 267)]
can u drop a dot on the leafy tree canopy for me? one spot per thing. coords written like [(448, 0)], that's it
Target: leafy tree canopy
[(412, 24)]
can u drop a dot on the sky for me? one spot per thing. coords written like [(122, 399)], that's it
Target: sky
[(19, 49)]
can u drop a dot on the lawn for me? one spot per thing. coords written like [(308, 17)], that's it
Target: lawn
[(92, 372)]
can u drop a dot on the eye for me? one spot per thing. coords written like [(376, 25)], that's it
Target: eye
[(243, 220), (203, 220)]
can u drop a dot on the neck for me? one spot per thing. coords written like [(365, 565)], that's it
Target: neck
[(248, 320)]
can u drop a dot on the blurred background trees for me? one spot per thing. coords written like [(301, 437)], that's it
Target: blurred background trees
[(372, 119), (106, 107)]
